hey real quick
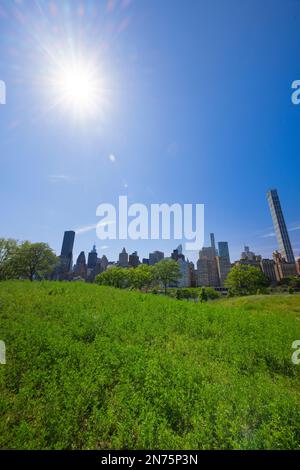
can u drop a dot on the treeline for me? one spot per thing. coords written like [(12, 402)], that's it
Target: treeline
[(25, 260), (165, 272), (150, 279)]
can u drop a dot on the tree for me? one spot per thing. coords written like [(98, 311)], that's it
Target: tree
[(7, 250), (114, 277), (203, 297), (245, 280), (34, 260), (167, 271), (141, 276)]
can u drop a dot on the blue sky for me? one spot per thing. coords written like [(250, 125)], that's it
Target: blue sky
[(197, 110)]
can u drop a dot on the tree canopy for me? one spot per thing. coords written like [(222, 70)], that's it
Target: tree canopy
[(245, 280), (167, 271)]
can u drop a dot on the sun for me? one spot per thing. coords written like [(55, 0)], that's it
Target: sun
[(78, 88)]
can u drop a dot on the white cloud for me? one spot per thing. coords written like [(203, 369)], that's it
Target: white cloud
[(112, 158), (58, 177), (272, 234), (86, 228), (89, 228), (268, 235)]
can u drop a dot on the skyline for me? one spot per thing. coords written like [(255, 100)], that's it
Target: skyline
[(221, 248), (198, 110)]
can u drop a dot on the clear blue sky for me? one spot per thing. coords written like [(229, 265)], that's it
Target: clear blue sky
[(198, 110)]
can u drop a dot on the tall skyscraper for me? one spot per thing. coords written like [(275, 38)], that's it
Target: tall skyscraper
[(92, 258), (224, 250), (282, 235), (212, 241), (66, 255)]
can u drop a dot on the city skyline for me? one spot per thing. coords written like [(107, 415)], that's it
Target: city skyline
[(212, 266), (280, 232)]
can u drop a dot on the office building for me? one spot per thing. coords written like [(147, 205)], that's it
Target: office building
[(248, 255), (80, 268), (185, 273), (155, 257), (103, 263), (207, 269), (223, 266), (282, 267), (213, 242), (123, 259), (223, 251), (283, 239), (268, 268), (92, 258), (66, 255), (134, 260)]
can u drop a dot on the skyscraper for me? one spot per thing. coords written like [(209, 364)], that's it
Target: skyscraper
[(123, 259), (92, 258), (66, 255), (224, 250), (282, 235), (207, 269), (80, 266), (212, 241)]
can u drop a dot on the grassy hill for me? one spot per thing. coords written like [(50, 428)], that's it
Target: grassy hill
[(95, 367)]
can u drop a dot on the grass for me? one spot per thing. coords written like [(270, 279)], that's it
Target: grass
[(92, 367)]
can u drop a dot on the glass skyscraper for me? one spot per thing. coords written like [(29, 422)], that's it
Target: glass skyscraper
[(224, 250), (67, 249), (282, 235)]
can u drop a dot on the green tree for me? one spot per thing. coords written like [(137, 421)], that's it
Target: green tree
[(7, 250), (167, 271), (245, 280), (114, 277), (34, 260), (141, 276)]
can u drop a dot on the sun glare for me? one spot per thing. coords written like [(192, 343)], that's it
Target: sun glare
[(77, 87)]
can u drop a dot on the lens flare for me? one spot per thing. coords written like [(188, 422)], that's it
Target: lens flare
[(77, 87)]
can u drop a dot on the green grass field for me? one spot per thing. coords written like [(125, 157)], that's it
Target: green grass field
[(92, 367)]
